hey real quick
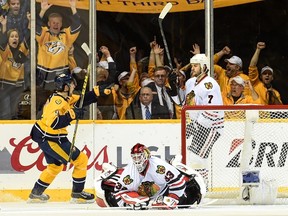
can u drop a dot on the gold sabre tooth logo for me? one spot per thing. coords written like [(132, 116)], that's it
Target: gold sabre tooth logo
[(55, 47)]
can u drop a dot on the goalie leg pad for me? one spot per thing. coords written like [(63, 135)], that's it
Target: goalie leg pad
[(203, 141)]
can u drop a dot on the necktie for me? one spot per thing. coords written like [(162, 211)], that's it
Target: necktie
[(163, 97), (163, 94), (147, 113)]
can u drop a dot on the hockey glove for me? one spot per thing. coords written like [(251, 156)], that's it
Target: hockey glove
[(101, 90), (172, 79), (79, 112)]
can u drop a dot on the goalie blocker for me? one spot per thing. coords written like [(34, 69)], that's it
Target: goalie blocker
[(105, 185)]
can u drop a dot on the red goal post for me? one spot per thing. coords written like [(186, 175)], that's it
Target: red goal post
[(254, 137)]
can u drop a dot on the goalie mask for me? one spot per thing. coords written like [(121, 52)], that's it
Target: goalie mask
[(140, 155)]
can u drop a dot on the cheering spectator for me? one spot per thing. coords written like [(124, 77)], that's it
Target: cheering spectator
[(233, 68), (263, 83), (236, 96), (14, 54), (54, 43)]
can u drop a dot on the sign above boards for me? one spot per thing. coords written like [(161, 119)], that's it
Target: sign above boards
[(148, 6)]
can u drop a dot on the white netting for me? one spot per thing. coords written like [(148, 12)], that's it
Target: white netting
[(251, 139)]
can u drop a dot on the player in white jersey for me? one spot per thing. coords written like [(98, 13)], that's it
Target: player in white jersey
[(205, 126), (148, 179)]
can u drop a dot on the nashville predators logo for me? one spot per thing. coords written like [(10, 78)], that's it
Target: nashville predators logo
[(15, 64), (160, 169), (58, 102), (208, 85), (127, 180), (55, 47)]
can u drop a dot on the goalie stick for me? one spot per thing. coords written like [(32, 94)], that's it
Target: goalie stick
[(193, 206), (131, 198), (162, 15), (85, 47)]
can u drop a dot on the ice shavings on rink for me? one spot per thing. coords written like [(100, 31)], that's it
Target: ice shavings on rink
[(64, 208)]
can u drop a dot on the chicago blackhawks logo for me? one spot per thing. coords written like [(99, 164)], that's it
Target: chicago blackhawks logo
[(190, 98), (127, 180), (208, 85), (148, 189), (160, 169)]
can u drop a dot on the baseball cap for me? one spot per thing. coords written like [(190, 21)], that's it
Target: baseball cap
[(123, 74), (145, 82), (239, 80), (266, 68), (235, 60)]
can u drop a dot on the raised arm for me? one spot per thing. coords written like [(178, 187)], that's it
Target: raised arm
[(151, 64), (254, 94), (195, 49), (225, 51), (3, 21), (134, 78), (255, 57), (44, 7), (158, 55), (73, 6)]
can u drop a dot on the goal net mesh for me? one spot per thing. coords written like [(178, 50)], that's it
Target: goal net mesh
[(223, 141)]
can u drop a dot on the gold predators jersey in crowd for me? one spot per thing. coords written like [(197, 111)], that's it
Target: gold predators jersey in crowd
[(10, 71), (53, 49)]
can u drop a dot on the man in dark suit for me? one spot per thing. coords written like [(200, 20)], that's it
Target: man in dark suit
[(163, 93), (147, 109)]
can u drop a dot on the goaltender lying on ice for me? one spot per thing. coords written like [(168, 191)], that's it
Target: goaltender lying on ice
[(148, 181)]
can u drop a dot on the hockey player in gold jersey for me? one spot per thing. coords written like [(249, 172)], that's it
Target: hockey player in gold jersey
[(50, 132)]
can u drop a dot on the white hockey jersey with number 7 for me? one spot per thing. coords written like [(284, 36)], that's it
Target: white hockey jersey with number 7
[(206, 91)]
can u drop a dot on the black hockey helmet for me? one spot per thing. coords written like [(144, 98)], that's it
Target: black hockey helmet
[(63, 79)]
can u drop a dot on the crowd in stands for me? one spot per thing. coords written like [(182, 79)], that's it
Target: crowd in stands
[(148, 90)]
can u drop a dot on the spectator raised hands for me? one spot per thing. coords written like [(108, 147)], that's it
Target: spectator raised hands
[(195, 49), (262, 82)]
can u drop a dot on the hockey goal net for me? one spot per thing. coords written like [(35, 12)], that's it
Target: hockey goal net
[(253, 138)]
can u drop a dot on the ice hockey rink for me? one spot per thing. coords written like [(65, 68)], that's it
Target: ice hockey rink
[(62, 208)]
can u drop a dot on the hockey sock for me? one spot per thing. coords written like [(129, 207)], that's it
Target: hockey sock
[(39, 187), (78, 185)]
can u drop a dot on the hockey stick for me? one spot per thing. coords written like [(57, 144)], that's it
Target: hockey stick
[(85, 47), (133, 198), (193, 206), (162, 15)]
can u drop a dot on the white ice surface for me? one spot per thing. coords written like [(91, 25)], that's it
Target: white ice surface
[(63, 209)]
